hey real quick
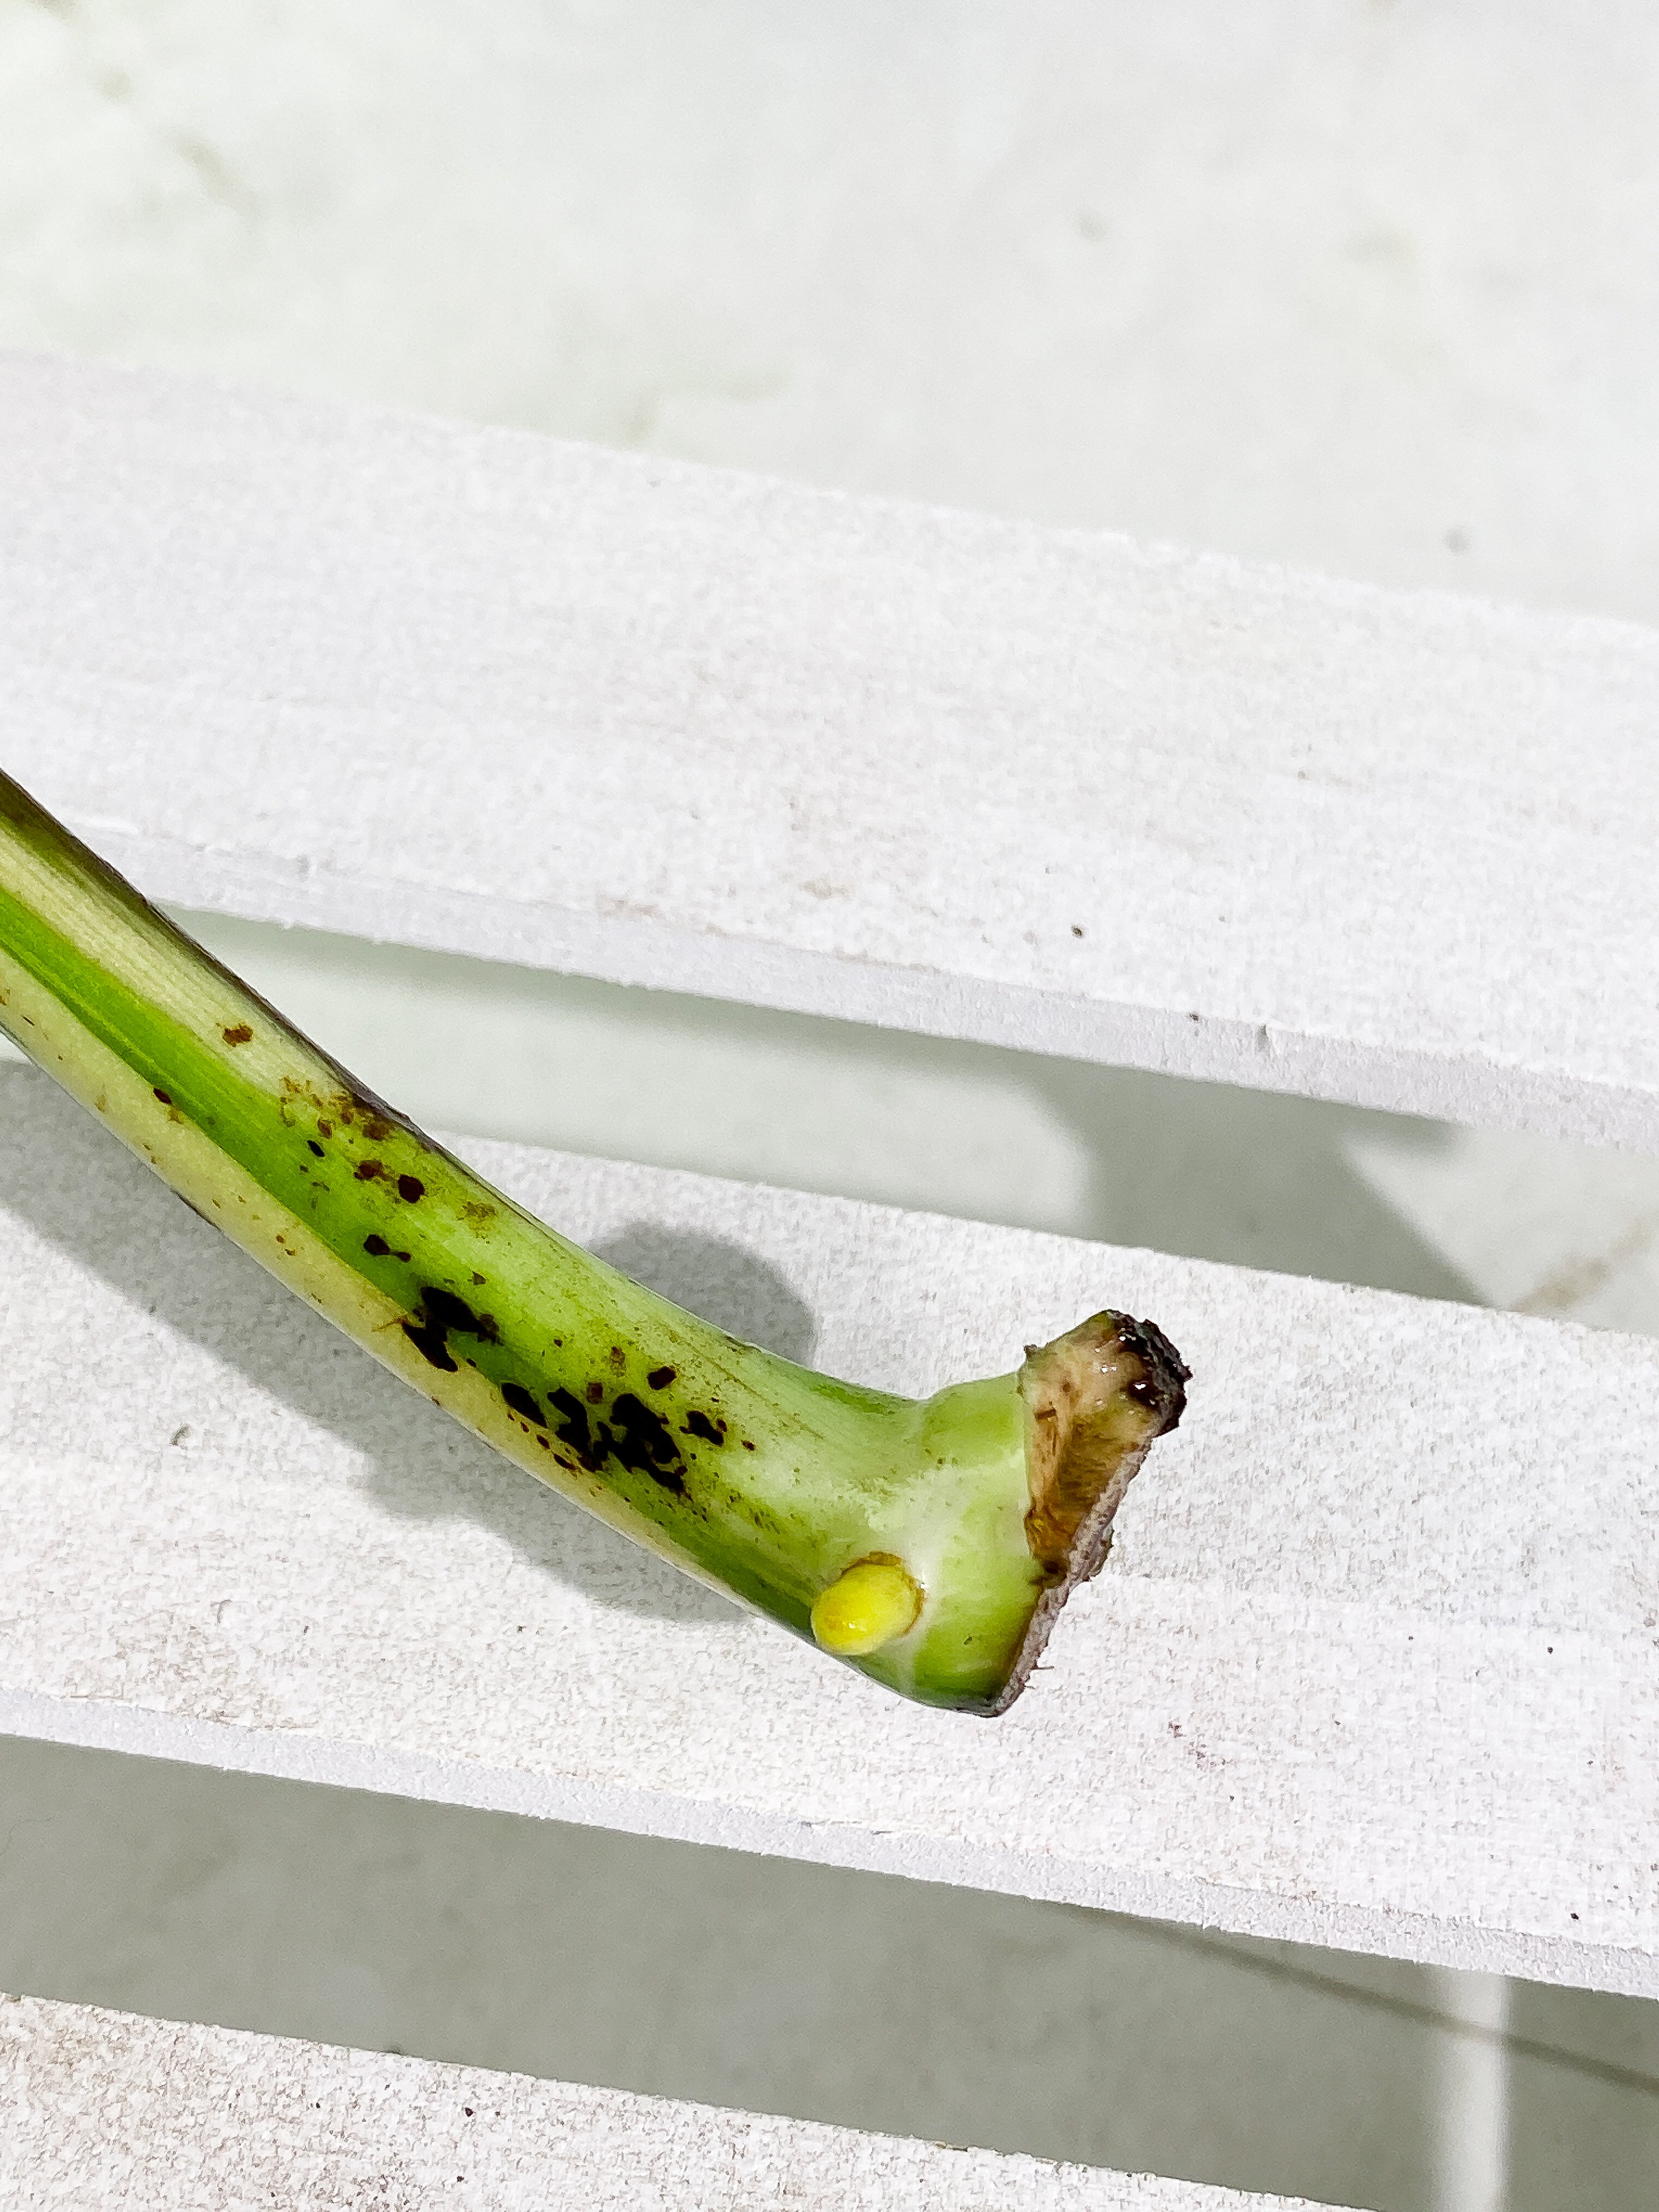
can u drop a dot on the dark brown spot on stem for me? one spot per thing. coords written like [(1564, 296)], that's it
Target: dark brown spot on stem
[(641, 1443), (660, 1377), (449, 1311), (239, 1033), (638, 1441), (428, 1342), (366, 1170), (522, 1403), (574, 1430), (411, 1187), (377, 1247)]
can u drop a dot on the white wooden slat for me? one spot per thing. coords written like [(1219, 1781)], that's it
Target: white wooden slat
[(477, 690), (1356, 286), (104, 2110), (1373, 1662)]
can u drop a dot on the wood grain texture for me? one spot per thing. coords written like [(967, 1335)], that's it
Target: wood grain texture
[(473, 689), (1372, 1664), (104, 2110)]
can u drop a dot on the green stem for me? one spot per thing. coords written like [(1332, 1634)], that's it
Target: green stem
[(929, 1543)]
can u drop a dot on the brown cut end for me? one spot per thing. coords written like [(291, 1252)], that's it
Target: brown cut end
[(1095, 1401)]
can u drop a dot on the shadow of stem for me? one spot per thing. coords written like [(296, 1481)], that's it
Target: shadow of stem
[(71, 1182)]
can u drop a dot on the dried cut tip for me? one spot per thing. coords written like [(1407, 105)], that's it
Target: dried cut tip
[(1095, 1401), (1095, 1398)]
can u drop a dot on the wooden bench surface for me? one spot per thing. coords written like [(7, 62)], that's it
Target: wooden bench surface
[(104, 2110), (1373, 1664), (475, 689)]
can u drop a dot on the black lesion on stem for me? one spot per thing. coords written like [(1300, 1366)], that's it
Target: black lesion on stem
[(629, 1431), (573, 1429), (439, 1314), (429, 1341), (641, 1442), (635, 1437), (523, 1402), (453, 1313)]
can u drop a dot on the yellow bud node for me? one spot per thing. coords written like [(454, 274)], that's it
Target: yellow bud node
[(874, 1602)]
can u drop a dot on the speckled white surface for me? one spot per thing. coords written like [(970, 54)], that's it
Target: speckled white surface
[(473, 689), (1367, 287), (107, 2110), (1373, 1664)]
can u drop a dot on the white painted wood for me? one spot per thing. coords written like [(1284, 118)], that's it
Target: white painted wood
[(1373, 1664), (472, 689), (1364, 287), (105, 2110)]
